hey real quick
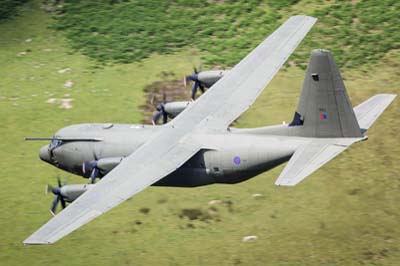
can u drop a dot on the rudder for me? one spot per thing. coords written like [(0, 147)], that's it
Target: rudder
[(324, 108)]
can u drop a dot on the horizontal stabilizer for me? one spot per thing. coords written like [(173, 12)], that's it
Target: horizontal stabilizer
[(311, 156), (371, 109)]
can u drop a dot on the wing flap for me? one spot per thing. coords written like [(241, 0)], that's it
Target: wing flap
[(311, 156)]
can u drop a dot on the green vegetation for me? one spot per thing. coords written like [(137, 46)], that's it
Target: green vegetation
[(347, 213), (281, 3), (127, 31), (358, 34), (8, 8)]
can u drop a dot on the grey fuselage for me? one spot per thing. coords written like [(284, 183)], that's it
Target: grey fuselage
[(228, 157)]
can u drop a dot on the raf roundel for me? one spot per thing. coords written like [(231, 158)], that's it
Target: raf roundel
[(236, 160), (323, 116)]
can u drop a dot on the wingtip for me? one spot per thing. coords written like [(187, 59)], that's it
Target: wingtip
[(305, 16), (389, 97), (37, 239), (284, 181), (281, 184), (392, 95), (32, 241)]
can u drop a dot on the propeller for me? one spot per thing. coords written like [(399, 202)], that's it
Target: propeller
[(196, 82), (91, 167), (161, 111), (59, 197)]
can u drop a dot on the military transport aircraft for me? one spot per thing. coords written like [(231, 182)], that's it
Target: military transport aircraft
[(198, 147)]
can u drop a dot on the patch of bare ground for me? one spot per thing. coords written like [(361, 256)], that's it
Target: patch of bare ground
[(174, 91)]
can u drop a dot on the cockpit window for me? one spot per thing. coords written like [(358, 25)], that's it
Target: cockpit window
[(55, 143)]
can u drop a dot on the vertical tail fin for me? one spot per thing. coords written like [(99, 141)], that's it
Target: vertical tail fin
[(324, 108)]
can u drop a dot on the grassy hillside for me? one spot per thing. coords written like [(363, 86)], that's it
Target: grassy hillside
[(358, 32), (344, 214)]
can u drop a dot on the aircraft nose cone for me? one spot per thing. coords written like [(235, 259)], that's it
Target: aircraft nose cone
[(44, 154)]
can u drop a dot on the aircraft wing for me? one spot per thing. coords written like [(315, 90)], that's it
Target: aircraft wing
[(173, 145), (236, 91), (311, 156), (151, 162)]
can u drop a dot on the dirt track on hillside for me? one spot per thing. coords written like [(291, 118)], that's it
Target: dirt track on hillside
[(174, 90)]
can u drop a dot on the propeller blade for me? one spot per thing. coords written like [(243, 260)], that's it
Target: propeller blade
[(201, 67), (165, 118), (94, 175), (201, 87), (164, 98), (49, 188), (194, 89), (63, 205), (54, 204), (184, 82), (157, 117), (59, 197), (152, 99)]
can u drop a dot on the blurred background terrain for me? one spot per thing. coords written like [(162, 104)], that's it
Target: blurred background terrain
[(67, 62)]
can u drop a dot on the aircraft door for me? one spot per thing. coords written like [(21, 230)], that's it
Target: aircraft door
[(212, 162)]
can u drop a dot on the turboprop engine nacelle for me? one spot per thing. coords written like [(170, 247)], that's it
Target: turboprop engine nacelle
[(209, 78), (99, 168), (170, 110), (175, 108), (66, 193), (203, 79), (73, 191)]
